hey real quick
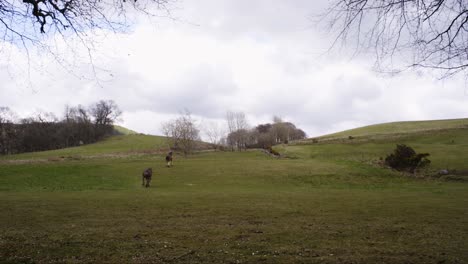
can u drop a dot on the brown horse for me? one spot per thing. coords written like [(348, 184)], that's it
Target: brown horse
[(169, 159), (146, 179)]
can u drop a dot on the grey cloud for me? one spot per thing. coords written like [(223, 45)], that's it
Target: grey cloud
[(272, 70), (198, 90), (260, 20)]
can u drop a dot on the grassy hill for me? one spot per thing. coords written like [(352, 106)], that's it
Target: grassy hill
[(120, 130), (396, 130), (448, 149), (114, 145), (325, 203)]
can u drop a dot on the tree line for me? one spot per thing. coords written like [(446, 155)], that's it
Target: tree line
[(83, 125), (44, 131), (183, 133), (241, 137)]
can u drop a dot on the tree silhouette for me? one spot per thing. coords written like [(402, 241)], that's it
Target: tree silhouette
[(430, 33), (56, 28)]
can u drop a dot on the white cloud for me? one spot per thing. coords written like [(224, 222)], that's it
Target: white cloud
[(258, 57)]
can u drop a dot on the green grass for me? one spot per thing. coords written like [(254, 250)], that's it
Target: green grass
[(327, 203), (123, 144), (448, 149), (124, 131), (398, 129)]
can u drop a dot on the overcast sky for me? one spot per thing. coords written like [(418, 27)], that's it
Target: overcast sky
[(261, 57)]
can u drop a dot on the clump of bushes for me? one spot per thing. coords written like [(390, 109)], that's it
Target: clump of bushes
[(404, 158)]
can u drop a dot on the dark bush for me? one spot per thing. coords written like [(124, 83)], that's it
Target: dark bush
[(350, 137), (404, 158)]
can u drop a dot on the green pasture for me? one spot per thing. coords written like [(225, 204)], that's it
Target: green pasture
[(398, 129), (320, 203), (448, 149), (111, 146), (120, 130)]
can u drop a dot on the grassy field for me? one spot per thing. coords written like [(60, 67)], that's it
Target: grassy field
[(121, 145), (120, 130), (397, 130), (323, 203)]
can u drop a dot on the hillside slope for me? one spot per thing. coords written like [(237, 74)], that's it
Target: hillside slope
[(121, 144), (321, 203), (445, 140), (120, 130), (395, 130)]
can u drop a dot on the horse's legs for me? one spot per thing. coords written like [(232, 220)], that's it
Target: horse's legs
[(148, 182)]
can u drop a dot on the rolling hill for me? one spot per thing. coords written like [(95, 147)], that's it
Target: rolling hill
[(323, 203), (113, 145), (445, 140), (120, 130), (395, 130)]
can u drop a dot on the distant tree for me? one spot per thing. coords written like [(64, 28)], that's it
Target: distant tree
[(264, 135), (45, 131), (182, 133), (104, 114), (77, 126), (237, 130), (263, 128), (213, 133), (297, 134), (268, 135), (433, 34), (8, 140), (39, 132), (239, 139)]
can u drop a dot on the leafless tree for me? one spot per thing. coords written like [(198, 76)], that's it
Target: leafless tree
[(45, 117), (44, 23), (280, 130), (214, 133), (182, 133), (6, 115), (7, 130), (238, 130), (44, 131), (28, 21), (104, 114), (431, 34), (78, 127)]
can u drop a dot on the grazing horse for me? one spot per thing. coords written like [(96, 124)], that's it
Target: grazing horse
[(169, 159), (146, 179)]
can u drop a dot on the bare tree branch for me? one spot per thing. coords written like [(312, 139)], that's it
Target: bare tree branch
[(433, 34), (38, 23)]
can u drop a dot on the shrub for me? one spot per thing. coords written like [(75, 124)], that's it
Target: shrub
[(404, 158), (350, 137)]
